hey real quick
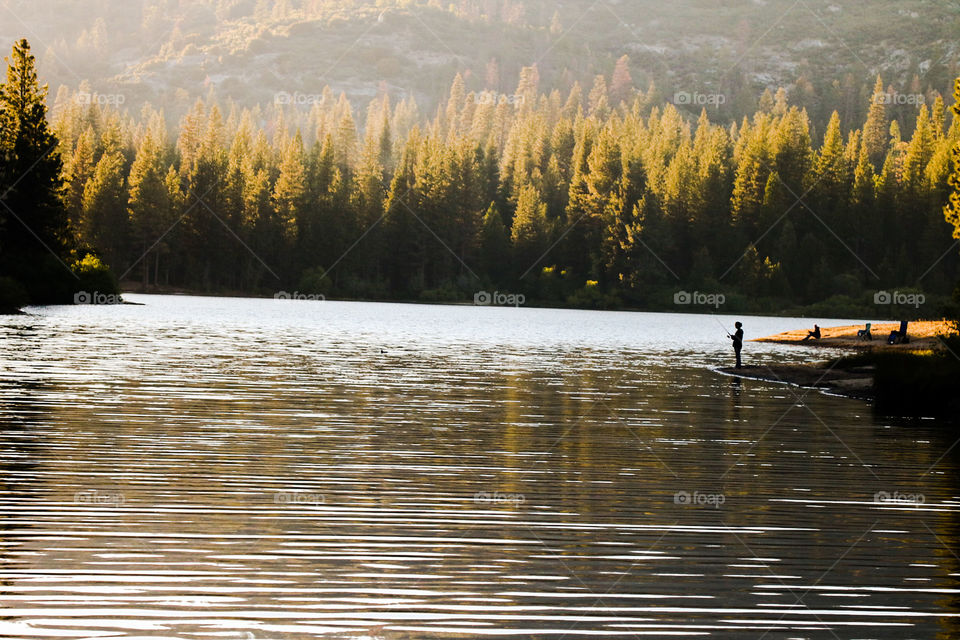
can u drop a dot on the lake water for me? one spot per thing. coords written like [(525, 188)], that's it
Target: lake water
[(253, 469)]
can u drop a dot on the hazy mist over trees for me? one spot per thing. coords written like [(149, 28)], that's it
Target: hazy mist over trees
[(170, 52), (594, 154)]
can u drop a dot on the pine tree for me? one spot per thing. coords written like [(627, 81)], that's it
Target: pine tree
[(647, 240), (494, 243), (556, 26), (937, 117), (750, 182), (258, 216), (830, 169), (919, 153), (368, 194), (149, 205), (876, 127), (952, 210), (404, 254), (790, 147), (345, 137), (336, 226), (527, 87), (599, 99), (191, 136), (289, 193), (207, 237), (369, 190), (103, 220), (455, 103), (77, 172), (530, 233), (239, 172), (621, 85), (36, 237), (866, 241), (712, 151)]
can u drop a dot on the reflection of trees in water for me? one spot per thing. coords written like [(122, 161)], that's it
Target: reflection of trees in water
[(950, 626), (582, 437), (21, 449), (936, 469), (948, 540), (20, 455)]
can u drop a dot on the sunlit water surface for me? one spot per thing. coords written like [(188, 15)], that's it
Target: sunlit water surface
[(253, 469)]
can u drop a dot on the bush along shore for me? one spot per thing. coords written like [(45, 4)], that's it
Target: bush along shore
[(909, 379)]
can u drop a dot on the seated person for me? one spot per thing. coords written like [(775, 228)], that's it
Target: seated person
[(815, 334)]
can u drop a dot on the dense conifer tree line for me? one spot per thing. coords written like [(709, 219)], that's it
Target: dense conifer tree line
[(599, 197)]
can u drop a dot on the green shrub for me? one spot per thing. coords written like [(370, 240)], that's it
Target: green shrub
[(94, 277), (591, 296), (447, 292), (315, 281)]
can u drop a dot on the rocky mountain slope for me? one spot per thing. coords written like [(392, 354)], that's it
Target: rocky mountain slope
[(170, 52)]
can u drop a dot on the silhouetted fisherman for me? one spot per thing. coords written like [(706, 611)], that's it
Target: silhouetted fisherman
[(738, 342)]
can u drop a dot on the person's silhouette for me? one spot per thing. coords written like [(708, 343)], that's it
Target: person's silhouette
[(815, 334), (738, 342)]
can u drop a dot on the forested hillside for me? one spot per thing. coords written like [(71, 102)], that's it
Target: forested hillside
[(169, 52), (772, 152), (566, 198)]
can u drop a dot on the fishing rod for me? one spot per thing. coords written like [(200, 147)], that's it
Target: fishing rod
[(724, 327)]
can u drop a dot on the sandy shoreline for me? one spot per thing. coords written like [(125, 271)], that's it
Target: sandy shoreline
[(923, 335), (851, 381)]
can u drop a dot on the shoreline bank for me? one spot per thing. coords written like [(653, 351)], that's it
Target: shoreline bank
[(912, 379), (653, 305), (924, 335), (855, 382)]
